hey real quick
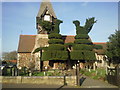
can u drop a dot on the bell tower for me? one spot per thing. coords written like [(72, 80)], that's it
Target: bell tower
[(45, 13)]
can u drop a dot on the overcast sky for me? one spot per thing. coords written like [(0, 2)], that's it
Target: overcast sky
[(20, 18)]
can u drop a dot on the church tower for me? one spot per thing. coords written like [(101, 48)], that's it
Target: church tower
[(46, 13)]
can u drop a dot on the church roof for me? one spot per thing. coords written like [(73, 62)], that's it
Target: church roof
[(46, 4), (27, 43)]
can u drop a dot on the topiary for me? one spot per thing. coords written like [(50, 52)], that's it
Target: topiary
[(55, 41), (55, 36)]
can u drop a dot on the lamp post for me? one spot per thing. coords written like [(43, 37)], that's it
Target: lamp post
[(77, 72)]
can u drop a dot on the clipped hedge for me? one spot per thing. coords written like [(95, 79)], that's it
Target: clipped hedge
[(40, 48), (69, 44), (83, 47), (56, 47), (55, 41), (76, 55), (82, 55), (54, 36), (54, 55), (89, 55), (98, 47), (82, 41), (82, 36)]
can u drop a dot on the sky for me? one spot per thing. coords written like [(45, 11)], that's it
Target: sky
[(20, 18)]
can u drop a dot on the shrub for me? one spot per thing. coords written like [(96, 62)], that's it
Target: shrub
[(82, 36), (55, 55), (89, 55), (76, 55), (82, 55), (56, 47), (55, 41), (55, 36), (82, 47), (40, 48), (82, 41), (69, 44), (98, 47)]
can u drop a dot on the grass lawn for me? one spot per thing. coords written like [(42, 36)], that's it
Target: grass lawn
[(48, 73), (98, 74)]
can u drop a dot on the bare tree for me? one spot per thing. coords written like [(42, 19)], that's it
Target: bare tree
[(9, 55)]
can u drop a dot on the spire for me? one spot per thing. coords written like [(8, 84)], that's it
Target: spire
[(46, 5)]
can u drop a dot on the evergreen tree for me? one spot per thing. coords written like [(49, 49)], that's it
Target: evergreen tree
[(113, 48), (83, 46)]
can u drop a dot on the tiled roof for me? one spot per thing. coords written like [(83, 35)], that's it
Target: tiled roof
[(103, 44), (13, 61), (26, 43)]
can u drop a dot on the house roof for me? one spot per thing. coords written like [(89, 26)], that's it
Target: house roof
[(12, 61), (45, 4), (26, 43), (103, 44)]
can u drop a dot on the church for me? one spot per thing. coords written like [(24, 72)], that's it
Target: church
[(29, 43)]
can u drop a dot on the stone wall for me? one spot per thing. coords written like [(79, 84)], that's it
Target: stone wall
[(41, 40), (54, 80), (23, 59)]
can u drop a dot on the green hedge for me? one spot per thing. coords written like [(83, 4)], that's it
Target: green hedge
[(98, 47), (54, 36), (89, 55), (40, 48), (76, 55), (54, 55), (55, 41), (82, 55), (82, 36), (69, 44), (56, 47), (82, 41), (82, 47)]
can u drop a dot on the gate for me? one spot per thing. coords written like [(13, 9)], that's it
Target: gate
[(113, 75)]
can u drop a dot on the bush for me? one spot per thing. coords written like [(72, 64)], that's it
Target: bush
[(69, 44), (82, 47), (55, 36), (56, 47), (82, 36), (54, 55), (82, 41), (76, 55), (40, 48), (55, 41), (89, 55), (82, 55), (98, 47)]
